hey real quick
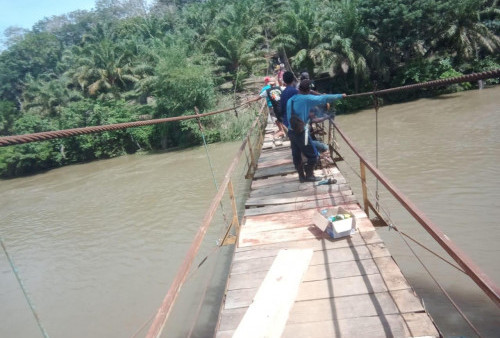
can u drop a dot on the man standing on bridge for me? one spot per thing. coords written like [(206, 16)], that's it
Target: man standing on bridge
[(298, 111)]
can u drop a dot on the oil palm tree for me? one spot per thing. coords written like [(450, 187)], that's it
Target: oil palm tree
[(298, 33), (47, 95), (347, 47), (464, 34), (101, 67), (235, 41)]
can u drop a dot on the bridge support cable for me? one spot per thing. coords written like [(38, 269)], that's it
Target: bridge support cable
[(197, 112), (435, 83), (23, 288), (447, 295), (49, 135)]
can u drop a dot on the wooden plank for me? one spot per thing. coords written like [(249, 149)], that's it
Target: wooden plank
[(288, 178), (278, 153), (294, 219), (282, 220), (407, 301), (348, 254), (420, 325), (257, 252), (323, 244), (373, 327), (249, 238), (272, 171), (391, 273), (278, 169), (285, 147), (253, 279), (274, 163), (325, 309), (322, 289), (307, 188), (284, 235), (269, 311), (293, 198), (318, 203)]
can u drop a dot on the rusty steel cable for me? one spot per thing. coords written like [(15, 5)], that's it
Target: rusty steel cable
[(435, 83), (49, 135)]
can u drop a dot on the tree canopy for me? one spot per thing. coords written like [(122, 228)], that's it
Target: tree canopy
[(128, 59)]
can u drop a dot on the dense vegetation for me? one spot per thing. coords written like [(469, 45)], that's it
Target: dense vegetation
[(126, 60)]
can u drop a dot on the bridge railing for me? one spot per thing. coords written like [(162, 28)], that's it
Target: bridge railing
[(468, 266), (251, 142)]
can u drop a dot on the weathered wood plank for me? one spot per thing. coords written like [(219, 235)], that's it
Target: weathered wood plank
[(325, 309), (407, 301), (292, 219), (391, 273), (327, 288), (373, 327), (324, 244), (273, 171), (352, 253), (269, 311), (296, 186), (257, 252), (284, 235), (293, 198), (318, 203), (252, 279), (296, 218), (251, 238), (289, 178), (273, 163), (420, 325)]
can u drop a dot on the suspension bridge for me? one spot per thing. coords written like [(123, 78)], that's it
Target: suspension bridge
[(288, 277)]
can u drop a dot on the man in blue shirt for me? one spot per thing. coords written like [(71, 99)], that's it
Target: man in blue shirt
[(287, 93), (300, 105)]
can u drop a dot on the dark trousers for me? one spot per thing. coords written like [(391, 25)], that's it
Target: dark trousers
[(297, 143)]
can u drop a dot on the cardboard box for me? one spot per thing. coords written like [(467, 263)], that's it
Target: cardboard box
[(337, 228)]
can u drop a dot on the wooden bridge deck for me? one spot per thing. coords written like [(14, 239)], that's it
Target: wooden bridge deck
[(290, 279)]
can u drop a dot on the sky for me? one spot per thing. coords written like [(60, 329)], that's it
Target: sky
[(25, 13)]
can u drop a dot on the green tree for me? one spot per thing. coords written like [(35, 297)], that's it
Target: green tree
[(47, 95), (8, 114), (464, 34), (236, 39), (102, 67), (181, 86), (34, 54), (347, 47), (298, 33)]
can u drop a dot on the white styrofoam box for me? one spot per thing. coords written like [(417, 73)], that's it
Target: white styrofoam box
[(336, 229)]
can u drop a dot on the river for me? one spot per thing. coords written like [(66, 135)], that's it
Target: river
[(97, 245)]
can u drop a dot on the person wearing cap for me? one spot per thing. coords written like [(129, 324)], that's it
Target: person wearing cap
[(274, 96), (305, 76), (263, 93), (299, 107)]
